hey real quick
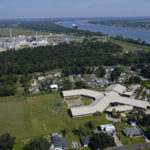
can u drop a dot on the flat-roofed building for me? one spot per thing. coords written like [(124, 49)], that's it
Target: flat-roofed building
[(103, 99), (108, 128), (117, 88), (122, 108)]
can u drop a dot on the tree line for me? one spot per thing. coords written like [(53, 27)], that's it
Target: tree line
[(130, 40), (72, 58)]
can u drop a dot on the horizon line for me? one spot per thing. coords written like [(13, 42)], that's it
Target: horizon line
[(25, 18)]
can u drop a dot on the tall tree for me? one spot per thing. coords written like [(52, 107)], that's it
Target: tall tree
[(6, 142), (101, 141), (38, 144)]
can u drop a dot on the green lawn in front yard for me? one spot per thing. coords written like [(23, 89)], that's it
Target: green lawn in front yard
[(18, 145)]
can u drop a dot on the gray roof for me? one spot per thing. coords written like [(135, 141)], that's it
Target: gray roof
[(131, 131), (121, 108), (59, 141), (85, 140), (117, 88), (102, 100)]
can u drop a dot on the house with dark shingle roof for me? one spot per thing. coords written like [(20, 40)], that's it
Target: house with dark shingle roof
[(59, 142), (130, 132), (85, 141)]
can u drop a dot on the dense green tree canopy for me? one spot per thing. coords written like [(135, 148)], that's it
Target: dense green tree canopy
[(38, 144), (148, 133), (100, 72), (80, 85), (67, 85), (101, 141), (72, 58), (6, 142), (115, 74)]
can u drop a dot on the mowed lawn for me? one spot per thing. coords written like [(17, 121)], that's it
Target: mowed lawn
[(32, 116)]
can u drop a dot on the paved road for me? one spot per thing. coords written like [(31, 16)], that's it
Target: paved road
[(133, 147)]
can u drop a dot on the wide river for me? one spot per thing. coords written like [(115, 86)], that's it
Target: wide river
[(134, 33)]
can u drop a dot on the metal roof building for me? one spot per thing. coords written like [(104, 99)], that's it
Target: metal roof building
[(102, 100)]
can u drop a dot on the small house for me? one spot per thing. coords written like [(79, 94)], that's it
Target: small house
[(108, 128), (41, 79), (85, 141), (59, 142), (54, 86)]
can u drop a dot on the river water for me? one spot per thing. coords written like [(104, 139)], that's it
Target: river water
[(134, 33)]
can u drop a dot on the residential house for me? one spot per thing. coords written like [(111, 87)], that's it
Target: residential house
[(108, 128), (85, 141), (131, 132), (59, 142), (54, 86), (41, 79)]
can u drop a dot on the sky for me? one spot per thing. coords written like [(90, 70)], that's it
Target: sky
[(73, 8)]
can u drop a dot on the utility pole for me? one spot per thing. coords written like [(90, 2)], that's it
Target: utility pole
[(10, 33)]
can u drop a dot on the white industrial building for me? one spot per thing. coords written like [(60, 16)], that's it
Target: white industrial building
[(103, 99)]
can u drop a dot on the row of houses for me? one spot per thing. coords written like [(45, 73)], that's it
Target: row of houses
[(59, 142), (112, 95)]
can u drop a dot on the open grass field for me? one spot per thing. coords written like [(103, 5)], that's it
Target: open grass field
[(32, 116), (129, 46)]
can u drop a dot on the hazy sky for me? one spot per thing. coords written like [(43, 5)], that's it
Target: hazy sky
[(73, 8)]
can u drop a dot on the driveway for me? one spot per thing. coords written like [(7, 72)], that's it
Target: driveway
[(108, 117)]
